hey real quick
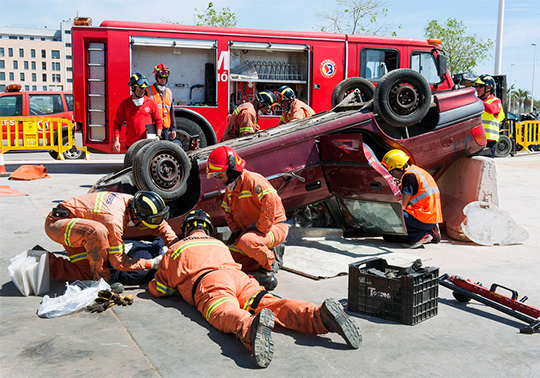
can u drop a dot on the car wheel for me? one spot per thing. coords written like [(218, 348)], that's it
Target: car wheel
[(72, 154), (504, 146), (129, 157), (185, 129), (163, 168), (402, 98), (347, 86)]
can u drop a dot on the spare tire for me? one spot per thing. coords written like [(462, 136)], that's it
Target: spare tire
[(504, 146), (163, 168), (347, 86), (133, 149), (402, 98)]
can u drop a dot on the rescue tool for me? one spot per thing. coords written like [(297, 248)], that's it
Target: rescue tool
[(465, 290)]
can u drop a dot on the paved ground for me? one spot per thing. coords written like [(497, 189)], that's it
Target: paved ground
[(168, 338)]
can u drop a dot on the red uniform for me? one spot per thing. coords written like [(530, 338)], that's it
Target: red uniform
[(297, 110), (242, 122), (92, 236), (136, 118), (254, 201), (225, 295)]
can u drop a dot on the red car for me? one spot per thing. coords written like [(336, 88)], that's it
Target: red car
[(331, 158)]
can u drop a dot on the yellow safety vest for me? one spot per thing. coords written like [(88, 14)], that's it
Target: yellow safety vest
[(164, 103), (491, 122)]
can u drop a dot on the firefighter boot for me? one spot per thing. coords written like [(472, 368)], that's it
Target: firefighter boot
[(278, 251), (335, 319), (265, 278), (262, 345)]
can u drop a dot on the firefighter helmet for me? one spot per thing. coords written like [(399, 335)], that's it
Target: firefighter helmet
[(138, 80), (197, 219), (150, 208), (395, 159), (284, 93), (486, 80), (266, 98), (161, 70), (224, 158)]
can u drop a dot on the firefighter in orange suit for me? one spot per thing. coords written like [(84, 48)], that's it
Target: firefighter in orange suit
[(244, 118), (203, 271), (254, 214), (294, 108), (90, 228), (163, 97), (421, 200)]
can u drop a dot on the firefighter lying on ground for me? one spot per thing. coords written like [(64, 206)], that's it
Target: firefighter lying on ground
[(294, 108), (90, 228), (421, 201), (203, 271), (254, 214)]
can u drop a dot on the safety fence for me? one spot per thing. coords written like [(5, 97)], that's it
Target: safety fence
[(39, 134), (525, 134)]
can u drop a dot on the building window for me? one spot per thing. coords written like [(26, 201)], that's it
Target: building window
[(69, 57), (42, 38), (33, 65), (15, 65), (69, 69), (27, 88), (43, 66), (56, 66), (44, 87), (34, 87), (2, 64), (2, 76), (70, 80), (26, 65), (12, 37), (21, 37), (31, 38), (34, 77), (43, 53), (1, 51), (55, 54), (56, 78), (21, 53), (10, 51), (11, 76), (33, 53), (67, 31), (68, 44), (44, 77), (22, 76)]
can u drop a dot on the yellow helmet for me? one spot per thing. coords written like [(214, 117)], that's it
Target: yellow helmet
[(395, 159)]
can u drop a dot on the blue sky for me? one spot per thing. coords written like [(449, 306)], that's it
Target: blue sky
[(521, 23)]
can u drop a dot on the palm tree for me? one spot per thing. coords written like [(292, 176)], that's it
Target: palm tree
[(522, 95)]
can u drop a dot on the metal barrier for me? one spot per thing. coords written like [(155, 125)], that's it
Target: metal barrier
[(524, 134), (38, 134)]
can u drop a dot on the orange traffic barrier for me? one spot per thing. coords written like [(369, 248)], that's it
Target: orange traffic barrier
[(3, 172)]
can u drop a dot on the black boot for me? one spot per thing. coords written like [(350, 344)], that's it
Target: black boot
[(278, 251), (265, 278), (335, 319), (262, 345)]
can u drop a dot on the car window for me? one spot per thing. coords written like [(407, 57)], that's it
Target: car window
[(424, 63), (375, 63), (45, 103), (11, 105), (69, 101)]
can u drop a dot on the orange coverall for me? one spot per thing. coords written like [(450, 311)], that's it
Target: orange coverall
[(225, 295), (255, 201), (297, 110), (92, 236), (242, 122)]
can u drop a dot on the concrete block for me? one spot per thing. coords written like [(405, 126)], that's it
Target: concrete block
[(467, 180)]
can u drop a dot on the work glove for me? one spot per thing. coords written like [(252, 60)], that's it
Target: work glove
[(233, 237), (106, 299), (155, 262)]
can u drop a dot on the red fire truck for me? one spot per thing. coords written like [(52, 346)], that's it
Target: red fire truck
[(215, 69)]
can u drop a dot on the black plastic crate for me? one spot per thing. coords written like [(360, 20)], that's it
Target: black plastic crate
[(407, 299)]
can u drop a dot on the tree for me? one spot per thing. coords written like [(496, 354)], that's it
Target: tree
[(464, 51), (522, 97), (355, 17), (215, 17)]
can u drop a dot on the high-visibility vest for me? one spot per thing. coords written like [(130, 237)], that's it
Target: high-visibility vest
[(425, 205), (164, 102), (491, 122)]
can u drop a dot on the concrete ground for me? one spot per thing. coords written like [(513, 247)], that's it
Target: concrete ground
[(168, 338)]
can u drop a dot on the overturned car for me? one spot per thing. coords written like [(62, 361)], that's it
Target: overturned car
[(328, 162)]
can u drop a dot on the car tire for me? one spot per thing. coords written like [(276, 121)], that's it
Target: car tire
[(186, 128), (163, 168), (402, 98), (347, 86), (72, 154), (129, 157), (504, 146)]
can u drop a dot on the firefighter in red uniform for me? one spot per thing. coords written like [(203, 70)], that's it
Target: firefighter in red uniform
[(421, 201), (254, 214), (244, 118), (493, 112), (203, 271), (90, 228), (294, 108), (138, 112), (164, 99)]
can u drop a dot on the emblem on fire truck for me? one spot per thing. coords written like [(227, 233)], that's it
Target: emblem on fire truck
[(328, 68)]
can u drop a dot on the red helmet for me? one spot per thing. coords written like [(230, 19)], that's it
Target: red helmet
[(161, 70), (223, 158)]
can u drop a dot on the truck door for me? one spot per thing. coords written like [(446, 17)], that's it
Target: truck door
[(327, 71)]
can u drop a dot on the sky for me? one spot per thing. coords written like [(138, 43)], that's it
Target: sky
[(521, 26)]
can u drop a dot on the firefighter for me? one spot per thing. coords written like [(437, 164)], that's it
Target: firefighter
[(203, 271), (294, 108), (254, 214), (90, 228), (138, 112), (164, 100), (244, 118), (493, 112), (421, 201)]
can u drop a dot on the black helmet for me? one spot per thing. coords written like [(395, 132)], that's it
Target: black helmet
[(486, 80), (197, 219), (138, 80), (266, 98), (285, 93), (149, 207)]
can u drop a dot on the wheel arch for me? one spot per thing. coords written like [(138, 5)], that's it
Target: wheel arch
[(209, 132)]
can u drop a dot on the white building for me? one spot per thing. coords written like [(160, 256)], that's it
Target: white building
[(37, 59)]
